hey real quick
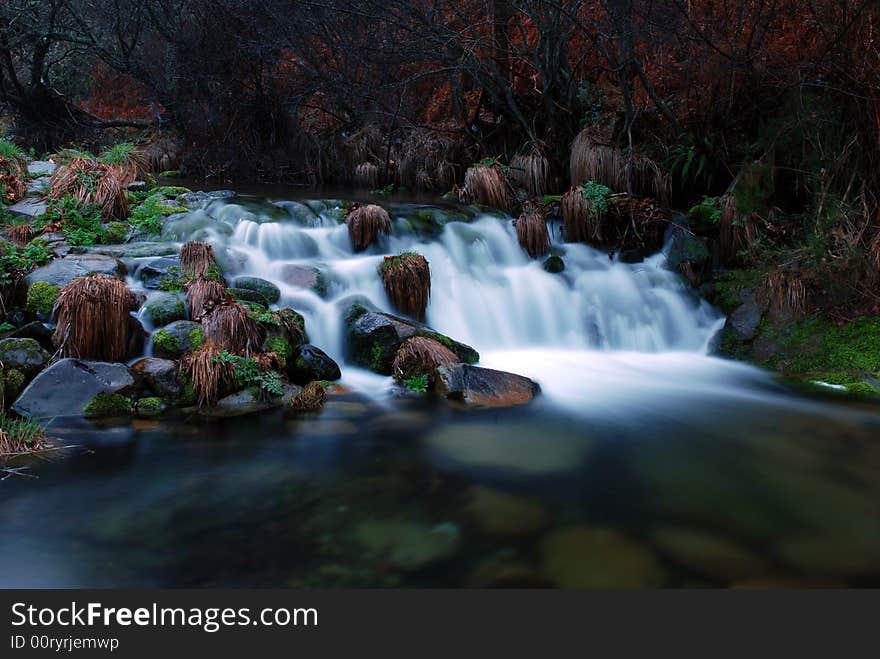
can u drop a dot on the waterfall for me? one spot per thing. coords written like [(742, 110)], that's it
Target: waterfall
[(485, 292)]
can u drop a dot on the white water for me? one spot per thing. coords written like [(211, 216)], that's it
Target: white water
[(591, 333)]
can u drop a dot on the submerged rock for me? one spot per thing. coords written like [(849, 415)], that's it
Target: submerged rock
[(25, 355), (373, 337), (499, 513), (310, 363), (709, 555), (69, 385), (160, 376), (584, 557), (247, 401), (406, 544), (61, 272), (554, 265), (303, 276), (482, 387)]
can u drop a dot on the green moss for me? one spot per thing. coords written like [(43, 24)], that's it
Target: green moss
[(465, 353), (188, 394), (377, 358), (13, 382), (196, 338), (107, 404), (817, 345), (150, 406), (165, 342), (729, 284), (41, 297), (279, 346), (173, 280), (170, 173), (115, 233), (171, 190)]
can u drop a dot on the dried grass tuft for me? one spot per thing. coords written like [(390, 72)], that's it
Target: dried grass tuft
[(783, 292), (93, 318), (91, 182), (583, 222), (309, 399), (407, 280), (421, 356), (196, 257), (366, 174), (486, 185), (211, 377), (230, 326), (531, 231), (531, 170), (736, 233), (202, 294), (21, 234), (365, 223)]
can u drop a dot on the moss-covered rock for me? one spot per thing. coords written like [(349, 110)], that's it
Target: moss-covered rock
[(266, 289), (177, 339), (24, 355), (554, 265), (13, 383), (164, 308), (107, 404), (150, 406), (41, 297)]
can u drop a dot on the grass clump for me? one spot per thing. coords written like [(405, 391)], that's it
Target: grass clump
[(93, 318), (309, 399), (15, 261), (21, 437), (407, 281)]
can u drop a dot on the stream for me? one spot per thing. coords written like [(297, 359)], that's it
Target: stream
[(645, 462)]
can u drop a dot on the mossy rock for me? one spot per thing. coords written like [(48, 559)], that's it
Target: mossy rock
[(24, 355), (266, 289), (150, 406), (177, 339), (41, 297), (13, 383), (246, 295), (164, 308), (115, 233), (554, 265), (107, 404)]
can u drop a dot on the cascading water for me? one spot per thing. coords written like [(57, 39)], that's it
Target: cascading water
[(485, 290)]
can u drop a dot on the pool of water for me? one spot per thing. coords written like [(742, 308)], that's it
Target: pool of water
[(724, 479)]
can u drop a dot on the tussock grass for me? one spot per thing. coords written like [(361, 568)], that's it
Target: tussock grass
[(310, 399), (196, 257), (230, 326), (421, 356), (365, 224), (366, 174), (583, 220), (93, 321), (202, 294), (91, 182), (21, 234), (211, 376), (531, 231), (531, 170), (485, 185), (407, 281)]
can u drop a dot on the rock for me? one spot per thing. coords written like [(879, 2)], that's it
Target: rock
[(69, 385), (137, 186), (310, 363), (246, 401), (709, 555), (159, 376), (745, 319), (246, 295), (137, 337), (633, 255), (177, 339), (153, 272), (482, 387), (499, 513), (554, 265), (41, 168), (39, 186), (61, 272), (583, 557), (25, 355), (523, 450), (408, 545), (373, 337), (29, 208), (37, 331), (164, 308), (303, 276), (265, 288), (136, 250), (195, 199)]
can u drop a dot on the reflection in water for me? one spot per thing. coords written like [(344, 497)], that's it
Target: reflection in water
[(644, 462)]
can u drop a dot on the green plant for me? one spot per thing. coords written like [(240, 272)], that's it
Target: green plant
[(165, 342), (81, 223), (41, 297), (387, 190), (11, 151), (598, 195), (148, 217), (249, 373), (173, 280), (119, 154), (13, 383), (279, 345), (19, 436), (196, 338), (6, 327), (16, 261), (417, 383)]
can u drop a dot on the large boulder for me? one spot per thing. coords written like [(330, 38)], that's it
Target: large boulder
[(177, 339), (373, 337), (746, 318), (25, 355), (247, 401), (310, 363), (483, 387), (41, 168), (165, 268), (303, 276), (61, 272), (164, 308), (159, 376), (69, 385)]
